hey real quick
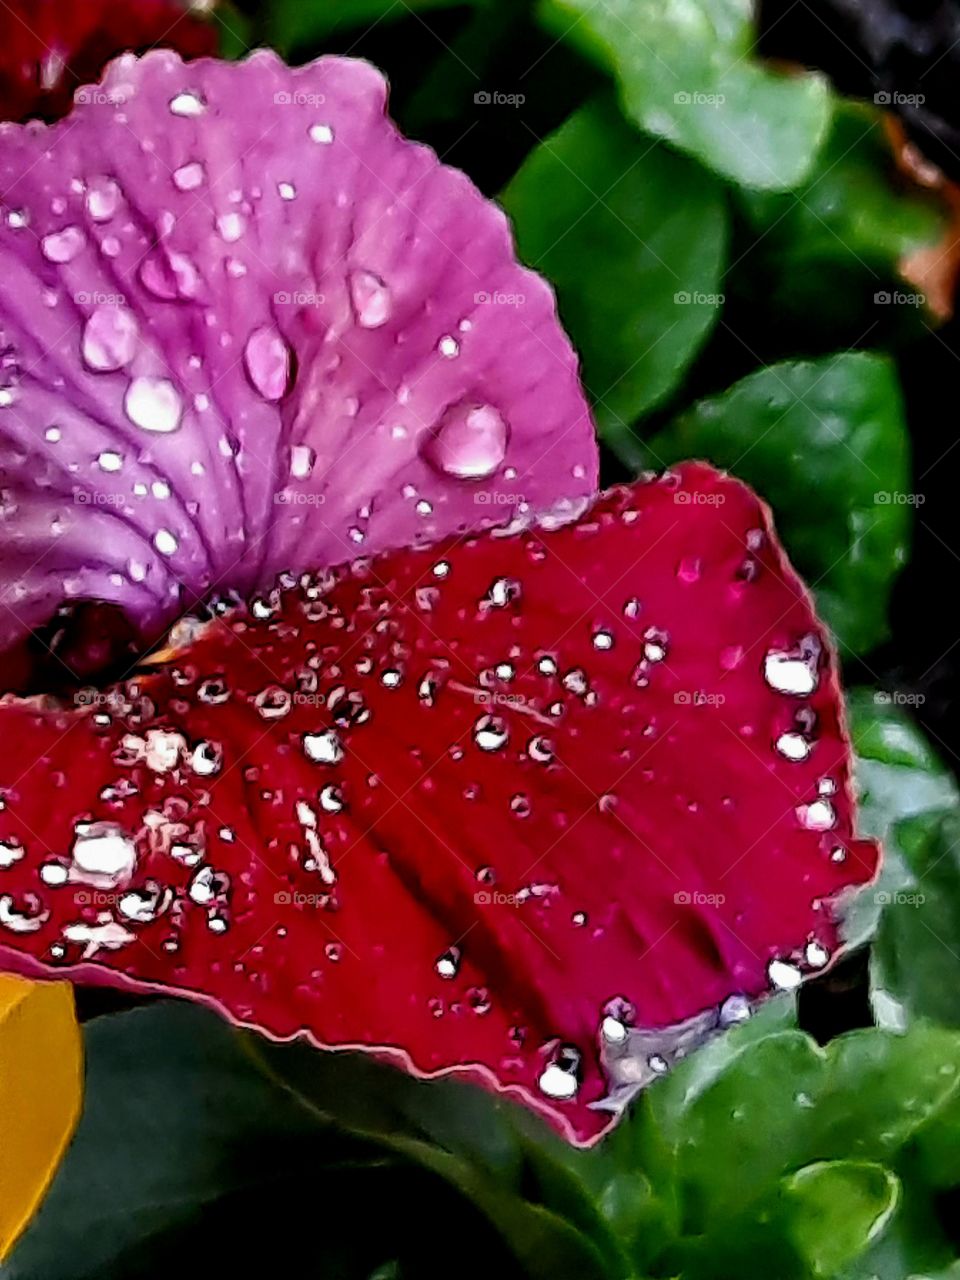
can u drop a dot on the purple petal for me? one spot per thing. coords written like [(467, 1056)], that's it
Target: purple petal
[(247, 328)]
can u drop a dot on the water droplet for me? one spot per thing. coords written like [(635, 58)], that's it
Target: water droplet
[(273, 702), (470, 441), (793, 746), (560, 1079), (153, 404), (819, 816), (189, 176), (655, 645), (331, 799), (102, 199), (794, 673), (371, 299), (11, 851), (231, 227), (786, 977), (208, 886), (816, 955), (321, 133), (448, 965), (104, 849), (502, 592), (146, 904), (323, 748), (448, 347), (613, 1030), (735, 1009), (490, 733), (165, 542), (109, 338), (187, 104), (27, 918), (603, 639), (63, 246), (266, 358), (213, 691), (540, 749), (287, 191), (207, 757)]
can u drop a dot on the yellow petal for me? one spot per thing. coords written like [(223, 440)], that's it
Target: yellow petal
[(41, 1090)]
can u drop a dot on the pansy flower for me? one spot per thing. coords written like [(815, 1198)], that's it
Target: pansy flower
[(445, 756)]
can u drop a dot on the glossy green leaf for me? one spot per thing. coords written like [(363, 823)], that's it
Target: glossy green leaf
[(899, 778), (915, 963), (687, 73), (825, 443), (913, 1242), (187, 1149), (633, 238), (853, 223), (833, 1210), (722, 1146), (504, 1161)]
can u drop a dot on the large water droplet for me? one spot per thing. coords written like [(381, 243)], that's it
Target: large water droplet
[(109, 338), (104, 849), (63, 246), (470, 441), (793, 746), (266, 358), (153, 404), (323, 748), (448, 965), (103, 197), (794, 673), (187, 104), (371, 299), (560, 1079), (490, 733), (189, 176)]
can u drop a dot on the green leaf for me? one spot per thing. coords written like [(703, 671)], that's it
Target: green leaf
[(834, 1209), (301, 24), (634, 239), (186, 1149), (234, 30), (503, 1160), (899, 778), (824, 441), (913, 1242), (687, 74), (855, 222), (915, 962), (720, 1144)]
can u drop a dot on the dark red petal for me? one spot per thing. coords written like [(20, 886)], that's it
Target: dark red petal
[(53, 47), (459, 801)]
